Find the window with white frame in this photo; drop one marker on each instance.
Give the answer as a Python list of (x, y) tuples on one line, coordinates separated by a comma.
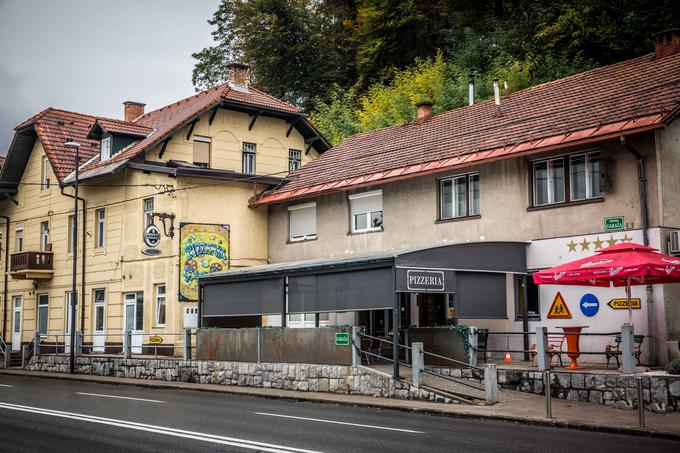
[(249, 158), (307, 320), (44, 235), (45, 174), (160, 305), (302, 222), (43, 315), (71, 233), (148, 212), (99, 309), (294, 159), (100, 231), (19, 244), (459, 196), (366, 211), (576, 177), (105, 151)]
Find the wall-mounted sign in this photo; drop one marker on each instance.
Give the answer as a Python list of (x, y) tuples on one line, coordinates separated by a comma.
[(203, 249), (151, 252), (155, 339), (152, 236), (559, 309), (589, 305), (613, 223), (341, 339), (622, 304), (424, 281)]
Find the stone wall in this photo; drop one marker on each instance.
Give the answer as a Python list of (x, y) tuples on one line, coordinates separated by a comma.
[(300, 377)]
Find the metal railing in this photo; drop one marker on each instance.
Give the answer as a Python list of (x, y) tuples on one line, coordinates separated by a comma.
[(5, 353)]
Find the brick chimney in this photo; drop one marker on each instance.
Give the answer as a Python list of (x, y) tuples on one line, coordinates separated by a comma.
[(133, 110), (424, 111), (667, 43), (239, 74)]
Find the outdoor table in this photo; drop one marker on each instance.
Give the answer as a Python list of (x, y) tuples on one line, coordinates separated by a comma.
[(573, 344)]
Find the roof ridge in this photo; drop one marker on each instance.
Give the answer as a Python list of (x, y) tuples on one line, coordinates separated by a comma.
[(165, 107)]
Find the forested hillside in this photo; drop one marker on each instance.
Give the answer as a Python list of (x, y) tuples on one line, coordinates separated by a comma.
[(361, 65)]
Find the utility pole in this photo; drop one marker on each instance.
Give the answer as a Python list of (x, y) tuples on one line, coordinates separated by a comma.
[(74, 297)]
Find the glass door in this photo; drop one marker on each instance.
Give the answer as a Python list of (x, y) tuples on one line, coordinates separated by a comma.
[(16, 323), (134, 319)]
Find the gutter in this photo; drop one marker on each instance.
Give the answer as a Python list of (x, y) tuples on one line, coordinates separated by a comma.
[(5, 283), (644, 216), (82, 277)]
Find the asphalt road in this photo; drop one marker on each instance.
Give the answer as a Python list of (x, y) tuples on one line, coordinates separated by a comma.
[(54, 415)]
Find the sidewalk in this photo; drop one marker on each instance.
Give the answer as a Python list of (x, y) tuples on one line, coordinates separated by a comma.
[(514, 406)]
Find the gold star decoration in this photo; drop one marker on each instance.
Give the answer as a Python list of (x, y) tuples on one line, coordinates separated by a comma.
[(626, 238), (611, 241), (584, 245), (572, 246), (598, 243)]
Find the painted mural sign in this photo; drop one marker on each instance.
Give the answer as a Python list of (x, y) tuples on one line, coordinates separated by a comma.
[(559, 308), (203, 249)]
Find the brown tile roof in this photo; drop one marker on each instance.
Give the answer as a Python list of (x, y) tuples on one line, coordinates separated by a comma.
[(633, 95), (123, 127)]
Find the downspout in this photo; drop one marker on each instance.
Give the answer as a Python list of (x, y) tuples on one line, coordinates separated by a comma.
[(4, 288), (82, 261), (644, 216)]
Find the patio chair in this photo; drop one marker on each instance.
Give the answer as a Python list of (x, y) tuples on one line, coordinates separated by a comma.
[(614, 350), (555, 349)]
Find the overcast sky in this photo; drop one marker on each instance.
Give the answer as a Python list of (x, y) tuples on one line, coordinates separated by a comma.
[(89, 56)]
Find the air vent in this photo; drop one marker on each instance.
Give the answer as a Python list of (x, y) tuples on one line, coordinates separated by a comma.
[(674, 243)]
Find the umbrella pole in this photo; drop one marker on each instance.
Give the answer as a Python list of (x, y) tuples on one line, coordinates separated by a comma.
[(630, 302)]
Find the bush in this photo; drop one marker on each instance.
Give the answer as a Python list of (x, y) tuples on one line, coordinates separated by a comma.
[(673, 366)]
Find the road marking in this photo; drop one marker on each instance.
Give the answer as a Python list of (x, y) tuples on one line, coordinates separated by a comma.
[(6, 385), (205, 437), (386, 428), (119, 397)]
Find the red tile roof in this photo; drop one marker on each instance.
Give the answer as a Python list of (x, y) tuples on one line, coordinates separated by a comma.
[(630, 96), (123, 127)]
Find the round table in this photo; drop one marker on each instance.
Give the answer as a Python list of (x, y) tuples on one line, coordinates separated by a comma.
[(573, 344)]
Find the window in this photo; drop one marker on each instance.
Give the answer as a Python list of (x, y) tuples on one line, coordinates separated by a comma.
[(99, 309), (532, 298), (44, 236), (366, 211), (134, 311), (45, 176), (71, 233), (308, 320), (202, 151), (249, 158), (294, 159), (148, 212), (100, 231), (302, 222), (567, 178), (43, 315), (105, 149), (19, 240), (160, 305), (459, 196)]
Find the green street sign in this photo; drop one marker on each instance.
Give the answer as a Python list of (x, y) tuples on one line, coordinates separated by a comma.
[(341, 339), (613, 223)]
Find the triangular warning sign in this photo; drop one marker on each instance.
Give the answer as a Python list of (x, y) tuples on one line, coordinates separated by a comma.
[(559, 309)]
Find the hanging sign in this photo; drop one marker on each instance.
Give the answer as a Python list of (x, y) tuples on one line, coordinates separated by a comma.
[(152, 236), (589, 305), (559, 309), (622, 304)]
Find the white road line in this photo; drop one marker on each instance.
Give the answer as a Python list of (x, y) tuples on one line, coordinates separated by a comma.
[(119, 397), (6, 385), (386, 428), (205, 437)]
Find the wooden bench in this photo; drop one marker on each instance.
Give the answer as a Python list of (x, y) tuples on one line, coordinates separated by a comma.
[(614, 350), (555, 348)]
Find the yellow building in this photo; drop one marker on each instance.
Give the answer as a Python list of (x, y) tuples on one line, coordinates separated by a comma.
[(189, 168)]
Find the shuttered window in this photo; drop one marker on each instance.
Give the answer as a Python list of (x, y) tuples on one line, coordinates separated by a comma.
[(302, 222), (202, 151), (366, 211)]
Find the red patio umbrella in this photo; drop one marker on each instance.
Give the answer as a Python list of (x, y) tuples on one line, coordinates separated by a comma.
[(624, 264)]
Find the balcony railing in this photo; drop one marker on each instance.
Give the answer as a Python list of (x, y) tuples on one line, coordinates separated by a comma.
[(31, 261)]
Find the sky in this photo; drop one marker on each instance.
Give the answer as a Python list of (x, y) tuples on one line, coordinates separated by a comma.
[(90, 56)]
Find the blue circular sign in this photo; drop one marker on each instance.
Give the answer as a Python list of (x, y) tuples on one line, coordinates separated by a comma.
[(589, 305)]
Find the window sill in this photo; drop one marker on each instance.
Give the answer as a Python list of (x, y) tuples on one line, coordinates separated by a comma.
[(299, 241), (159, 326), (565, 204), (374, 230), (458, 219)]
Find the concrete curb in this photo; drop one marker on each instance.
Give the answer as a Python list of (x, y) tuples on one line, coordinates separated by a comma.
[(330, 398)]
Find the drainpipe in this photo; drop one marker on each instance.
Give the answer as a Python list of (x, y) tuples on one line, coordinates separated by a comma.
[(4, 288), (82, 261), (644, 215)]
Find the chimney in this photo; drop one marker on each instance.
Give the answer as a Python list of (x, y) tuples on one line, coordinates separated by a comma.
[(506, 88), (239, 74), (667, 43), (133, 110), (424, 111), (497, 97), (471, 91)]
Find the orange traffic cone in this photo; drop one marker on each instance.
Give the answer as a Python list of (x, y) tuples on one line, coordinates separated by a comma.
[(508, 359)]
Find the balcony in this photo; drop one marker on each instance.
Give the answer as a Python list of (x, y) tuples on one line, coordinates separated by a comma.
[(31, 265)]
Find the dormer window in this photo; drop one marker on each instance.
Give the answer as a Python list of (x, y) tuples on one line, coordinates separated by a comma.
[(105, 152)]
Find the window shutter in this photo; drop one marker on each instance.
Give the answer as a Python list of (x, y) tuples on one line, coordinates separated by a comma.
[(302, 221), (201, 152), (369, 202)]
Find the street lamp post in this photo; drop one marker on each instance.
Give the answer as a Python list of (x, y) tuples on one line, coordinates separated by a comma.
[(74, 244)]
